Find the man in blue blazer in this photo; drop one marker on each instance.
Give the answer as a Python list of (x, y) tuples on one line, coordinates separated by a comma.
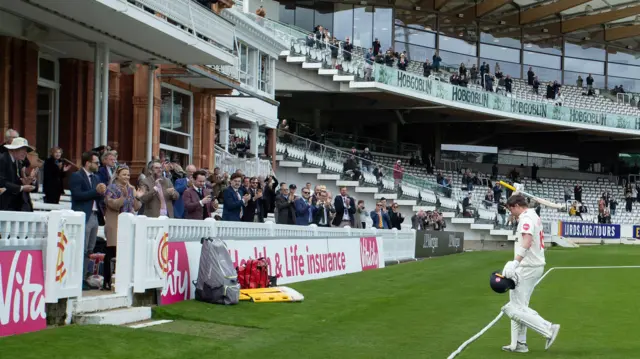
[(87, 195), (181, 185), (380, 218), (234, 202), (304, 210)]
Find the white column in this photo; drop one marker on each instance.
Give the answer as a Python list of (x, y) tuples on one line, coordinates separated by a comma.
[(224, 130), (96, 95), (254, 140), (150, 99), (105, 96)]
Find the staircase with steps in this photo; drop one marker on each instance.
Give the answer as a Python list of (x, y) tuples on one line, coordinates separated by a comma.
[(310, 162), (100, 307)]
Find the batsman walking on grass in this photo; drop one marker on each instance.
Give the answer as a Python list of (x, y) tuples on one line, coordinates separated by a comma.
[(525, 270)]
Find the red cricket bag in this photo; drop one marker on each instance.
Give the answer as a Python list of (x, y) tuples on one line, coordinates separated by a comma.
[(254, 274)]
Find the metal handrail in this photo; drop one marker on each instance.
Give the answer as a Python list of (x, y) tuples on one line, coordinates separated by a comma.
[(416, 183), (365, 141), (196, 18)]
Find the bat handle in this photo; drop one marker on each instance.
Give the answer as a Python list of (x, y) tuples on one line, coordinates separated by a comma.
[(505, 184)]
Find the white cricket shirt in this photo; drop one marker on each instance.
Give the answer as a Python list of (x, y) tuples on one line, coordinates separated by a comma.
[(529, 222)]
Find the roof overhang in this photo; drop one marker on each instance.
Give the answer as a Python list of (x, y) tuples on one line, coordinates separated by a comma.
[(200, 77)]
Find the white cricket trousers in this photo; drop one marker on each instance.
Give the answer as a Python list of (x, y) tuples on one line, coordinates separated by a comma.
[(518, 307)]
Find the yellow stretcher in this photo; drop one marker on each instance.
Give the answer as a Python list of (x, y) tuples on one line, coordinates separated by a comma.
[(271, 295)]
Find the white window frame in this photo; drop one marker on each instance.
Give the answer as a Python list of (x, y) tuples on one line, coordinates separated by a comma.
[(189, 150), (243, 52), (54, 125)]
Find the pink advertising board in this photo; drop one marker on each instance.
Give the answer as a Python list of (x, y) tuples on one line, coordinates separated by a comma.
[(22, 305), (291, 260)]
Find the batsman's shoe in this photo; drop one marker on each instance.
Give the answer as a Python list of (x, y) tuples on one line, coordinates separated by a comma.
[(520, 348), (555, 328)]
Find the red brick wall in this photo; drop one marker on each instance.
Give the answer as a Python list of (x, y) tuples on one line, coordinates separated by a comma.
[(76, 108), (18, 86)]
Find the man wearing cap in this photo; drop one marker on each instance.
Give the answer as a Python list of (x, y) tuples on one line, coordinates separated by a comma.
[(12, 167)]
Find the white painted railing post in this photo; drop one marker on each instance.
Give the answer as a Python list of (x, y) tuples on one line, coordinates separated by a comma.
[(51, 257), (64, 255), (272, 228), (213, 232), (125, 252), (314, 229)]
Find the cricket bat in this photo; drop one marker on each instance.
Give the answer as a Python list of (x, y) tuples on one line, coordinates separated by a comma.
[(542, 201)]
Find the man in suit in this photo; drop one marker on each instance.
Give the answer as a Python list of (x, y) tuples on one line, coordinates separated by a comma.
[(234, 202), (108, 168), (160, 194), (12, 168), (182, 184), (285, 207), (198, 200), (87, 195), (253, 212), (380, 218), (324, 209), (304, 209), (345, 209), (418, 221)]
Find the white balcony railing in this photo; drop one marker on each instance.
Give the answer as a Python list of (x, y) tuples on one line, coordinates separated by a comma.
[(194, 19)]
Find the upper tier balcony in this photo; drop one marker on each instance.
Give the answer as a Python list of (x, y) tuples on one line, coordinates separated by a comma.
[(158, 31)]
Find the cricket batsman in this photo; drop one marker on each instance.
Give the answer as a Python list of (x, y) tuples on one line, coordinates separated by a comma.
[(525, 270)]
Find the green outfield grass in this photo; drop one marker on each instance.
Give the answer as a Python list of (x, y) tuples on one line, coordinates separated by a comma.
[(422, 309)]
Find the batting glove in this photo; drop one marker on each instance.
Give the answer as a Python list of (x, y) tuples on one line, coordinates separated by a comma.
[(509, 270)]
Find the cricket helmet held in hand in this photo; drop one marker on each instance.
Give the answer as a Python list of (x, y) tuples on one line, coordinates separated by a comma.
[(500, 284)]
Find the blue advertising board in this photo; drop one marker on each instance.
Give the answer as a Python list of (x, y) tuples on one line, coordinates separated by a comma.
[(588, 230), (636, 232)]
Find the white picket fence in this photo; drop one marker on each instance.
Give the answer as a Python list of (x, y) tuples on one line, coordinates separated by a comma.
[(60, 236), (140, 239)]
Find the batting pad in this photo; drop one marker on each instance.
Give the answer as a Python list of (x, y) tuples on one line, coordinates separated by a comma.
[(529, 318)]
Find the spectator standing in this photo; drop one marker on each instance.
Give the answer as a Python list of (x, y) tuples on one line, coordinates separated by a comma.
[(181, 186), (345, 209), (199, 202), (87, 196), (234, 202), (376, 47), (304, 210), (361, 215), (426, 68), (285, 212), (590, 82), (508, 83), (577, 192), (418, 221), (324, 210), (13, 176), (159, 193), (436, 62), (347, 48), (8, 138), (261, 12), (398, 173), (396, 217), (53, 175), (108, 167), (120, 197), (254, 210), (379, 218), (367, 160)]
